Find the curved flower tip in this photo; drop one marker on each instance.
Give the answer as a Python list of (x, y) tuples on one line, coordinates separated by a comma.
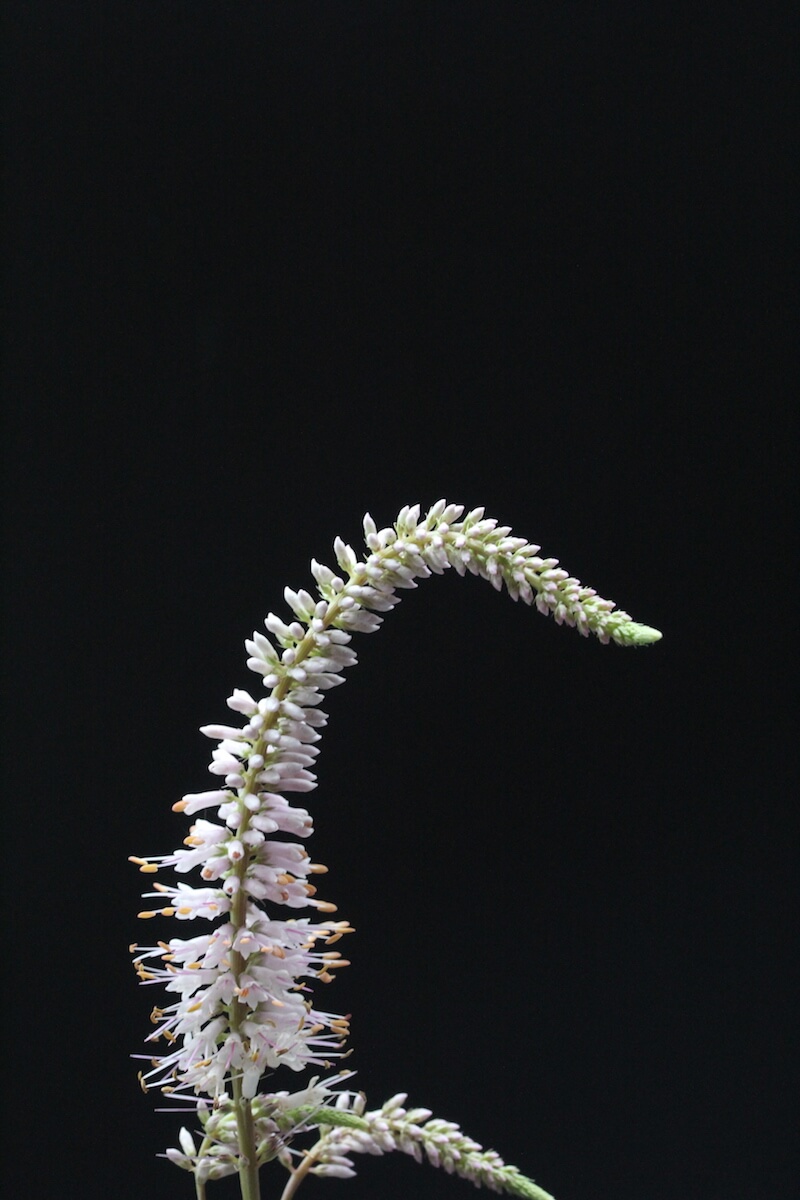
[(632, 634)]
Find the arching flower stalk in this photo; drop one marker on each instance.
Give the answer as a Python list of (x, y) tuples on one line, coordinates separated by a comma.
[(244, 1004)]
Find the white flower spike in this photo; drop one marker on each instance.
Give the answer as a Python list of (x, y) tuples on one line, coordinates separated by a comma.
[(243, 1003)]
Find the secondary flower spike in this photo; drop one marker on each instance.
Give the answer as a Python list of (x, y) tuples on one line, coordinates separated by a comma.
[(241, 991)]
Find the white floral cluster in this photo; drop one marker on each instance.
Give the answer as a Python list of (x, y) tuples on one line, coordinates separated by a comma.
[(277, 1120), (418, 1133), (243, 1002)]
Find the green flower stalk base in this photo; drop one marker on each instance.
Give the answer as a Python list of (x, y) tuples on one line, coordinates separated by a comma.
[(241, 991)]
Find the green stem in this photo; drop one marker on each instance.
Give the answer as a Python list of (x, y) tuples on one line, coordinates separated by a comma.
[(248, 1166), (299, 1173)]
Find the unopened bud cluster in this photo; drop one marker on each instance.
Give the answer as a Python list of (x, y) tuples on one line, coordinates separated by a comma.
[(418, 1133)]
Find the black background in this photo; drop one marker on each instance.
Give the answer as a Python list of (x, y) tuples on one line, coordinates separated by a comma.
[(275, 264)]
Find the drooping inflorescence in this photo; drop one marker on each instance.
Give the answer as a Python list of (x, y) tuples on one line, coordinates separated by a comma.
[(347, 1129), (243, 1003)]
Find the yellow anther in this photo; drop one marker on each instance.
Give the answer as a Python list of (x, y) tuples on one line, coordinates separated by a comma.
[(147, 868), (337, 928)]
